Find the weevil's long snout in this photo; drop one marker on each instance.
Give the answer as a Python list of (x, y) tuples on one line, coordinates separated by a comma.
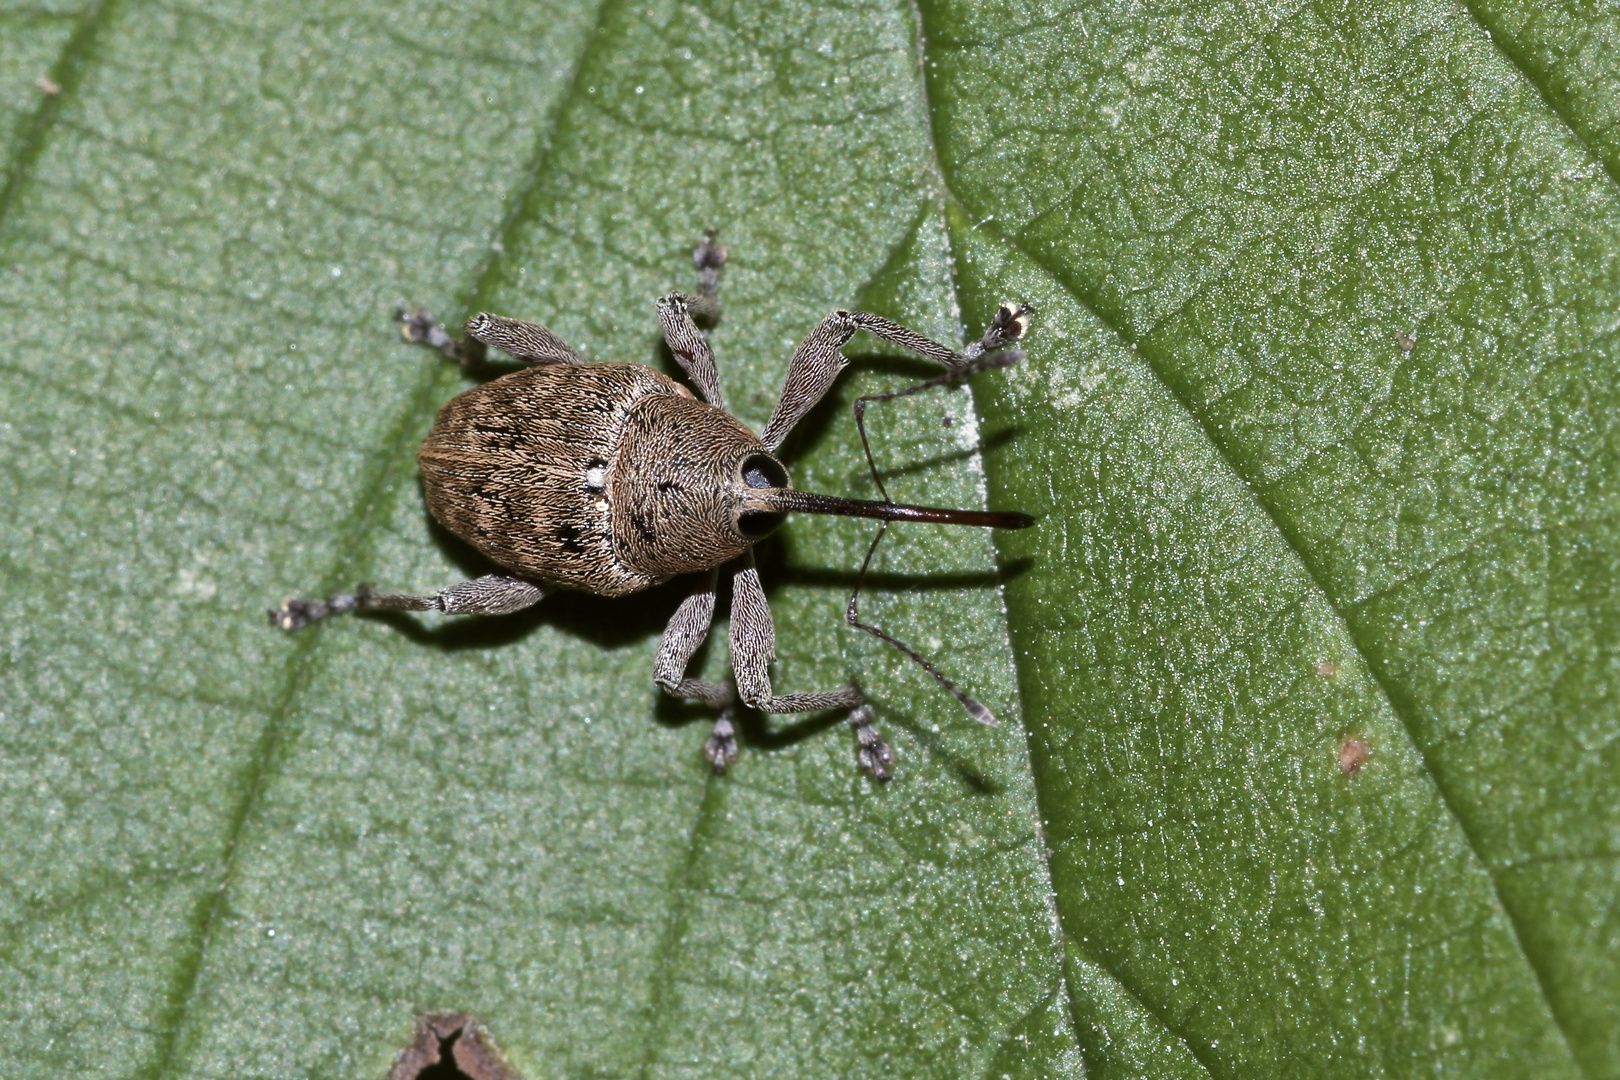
[(786, 500)]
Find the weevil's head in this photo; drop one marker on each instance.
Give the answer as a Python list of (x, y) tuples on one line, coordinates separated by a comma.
[(681, 484)]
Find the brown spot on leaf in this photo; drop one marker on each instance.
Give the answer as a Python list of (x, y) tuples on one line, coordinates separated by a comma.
[(1353, 754), (450, 1046)]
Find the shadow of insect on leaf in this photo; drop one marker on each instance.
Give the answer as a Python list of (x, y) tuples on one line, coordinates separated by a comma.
[(939, 751), (450, 1046)]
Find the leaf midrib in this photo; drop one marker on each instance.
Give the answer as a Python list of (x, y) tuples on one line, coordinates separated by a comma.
[(1061, 937), (1155, 367)]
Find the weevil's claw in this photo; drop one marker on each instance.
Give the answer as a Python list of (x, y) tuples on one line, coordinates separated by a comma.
[(721, 749), (874, 755)]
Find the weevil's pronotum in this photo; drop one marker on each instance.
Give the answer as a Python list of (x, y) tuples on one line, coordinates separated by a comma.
[(610, 478)]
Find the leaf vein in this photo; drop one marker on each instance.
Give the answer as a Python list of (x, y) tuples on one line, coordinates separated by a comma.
[(1513, 57), (1399, 708), (66, 73)]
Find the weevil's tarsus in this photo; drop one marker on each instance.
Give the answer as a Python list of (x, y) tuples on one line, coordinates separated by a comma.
[(974, 707), (1009, 324), (492, 594), (708, 257), (526, 341), (871, 752), (721, 748), (420, 328)]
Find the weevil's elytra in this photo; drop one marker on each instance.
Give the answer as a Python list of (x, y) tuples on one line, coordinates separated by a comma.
[(610, 478), (597, 477)]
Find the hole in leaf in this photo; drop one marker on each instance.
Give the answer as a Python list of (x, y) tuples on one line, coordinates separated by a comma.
[(450, 1046)]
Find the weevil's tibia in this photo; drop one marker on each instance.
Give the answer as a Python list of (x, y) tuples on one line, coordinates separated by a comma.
[(492, 594)]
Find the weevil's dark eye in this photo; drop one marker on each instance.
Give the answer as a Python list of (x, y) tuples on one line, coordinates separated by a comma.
[(760, 471), (763, 471), (755, 525)]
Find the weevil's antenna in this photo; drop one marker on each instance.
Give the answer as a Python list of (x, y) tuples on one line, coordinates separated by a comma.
[(984, 363), (767, 501), (975, 708)]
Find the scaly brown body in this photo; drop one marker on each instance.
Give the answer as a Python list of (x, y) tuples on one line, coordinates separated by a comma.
[(609, 478)]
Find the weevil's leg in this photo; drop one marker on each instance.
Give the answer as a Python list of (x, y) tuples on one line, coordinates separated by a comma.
[(493, 594), (690, 347), (819, 358), (753, 647), (686, 630), (421, 328), (816, 364), (526, 341)]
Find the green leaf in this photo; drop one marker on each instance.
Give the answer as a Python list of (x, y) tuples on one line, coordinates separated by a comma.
[(1268, 529)]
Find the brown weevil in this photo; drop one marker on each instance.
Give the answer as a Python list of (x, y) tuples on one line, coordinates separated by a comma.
[(610, 478)]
